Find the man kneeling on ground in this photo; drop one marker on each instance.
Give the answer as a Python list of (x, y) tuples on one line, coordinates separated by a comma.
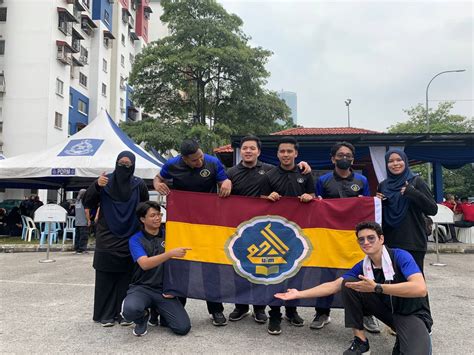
[(146, 290), (386, 283)]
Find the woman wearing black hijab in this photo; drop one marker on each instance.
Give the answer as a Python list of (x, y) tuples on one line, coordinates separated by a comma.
[(118, 194), (405, 200)]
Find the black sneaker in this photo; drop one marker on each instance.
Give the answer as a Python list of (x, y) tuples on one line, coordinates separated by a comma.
[(358, 347), (218, 319), (274, 326), (153, 321), (141, 325), (107, 322), (260, 317), (125, 323), (238, 314), (295, 319)]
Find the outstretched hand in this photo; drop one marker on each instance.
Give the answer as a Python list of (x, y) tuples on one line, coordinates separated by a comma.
[(290, 294), (103, 180), (365, 285)]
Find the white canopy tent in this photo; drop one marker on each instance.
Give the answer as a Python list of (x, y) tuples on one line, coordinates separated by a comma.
[(78, 160)]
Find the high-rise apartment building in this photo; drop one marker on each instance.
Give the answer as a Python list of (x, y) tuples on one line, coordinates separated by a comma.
[(291, 100), (61, 62)]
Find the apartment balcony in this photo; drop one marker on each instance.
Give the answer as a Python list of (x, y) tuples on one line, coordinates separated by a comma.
[(64, 54), (87, 24)]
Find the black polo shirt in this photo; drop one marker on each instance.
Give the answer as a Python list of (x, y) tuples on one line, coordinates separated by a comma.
[(332, 185), (246, 181), (287, 182), (144, 244), (203, 179)]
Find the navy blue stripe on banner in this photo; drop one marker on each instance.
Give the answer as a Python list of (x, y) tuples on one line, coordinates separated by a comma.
[(220, 283)]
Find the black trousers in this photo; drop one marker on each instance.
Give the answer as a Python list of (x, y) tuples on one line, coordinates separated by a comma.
[(245, 308), (275, 312), (412, 334), (212, 307), (110, 290), (171, 310), (82, 237)]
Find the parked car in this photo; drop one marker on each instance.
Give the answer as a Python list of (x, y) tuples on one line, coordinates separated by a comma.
[(8, 204)]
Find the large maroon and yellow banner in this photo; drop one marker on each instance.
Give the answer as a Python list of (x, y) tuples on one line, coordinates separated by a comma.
[(245, 249)]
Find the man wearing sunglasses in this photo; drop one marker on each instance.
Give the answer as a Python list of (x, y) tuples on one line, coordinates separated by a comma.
[(386, 283), (343, 182)]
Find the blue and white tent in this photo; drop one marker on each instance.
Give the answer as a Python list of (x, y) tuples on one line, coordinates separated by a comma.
[(78, 160)]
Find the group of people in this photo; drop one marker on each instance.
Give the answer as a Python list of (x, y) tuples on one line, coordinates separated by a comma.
[(388, 284)]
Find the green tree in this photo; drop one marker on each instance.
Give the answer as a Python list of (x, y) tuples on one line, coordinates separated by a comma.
[(456, 181), (440, 121), (204, 73)]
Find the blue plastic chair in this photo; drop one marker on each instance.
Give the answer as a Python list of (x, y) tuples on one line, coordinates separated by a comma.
[(54, 232)]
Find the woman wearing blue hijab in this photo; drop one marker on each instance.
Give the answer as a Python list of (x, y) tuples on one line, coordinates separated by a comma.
[(118, 194), (406, 199)]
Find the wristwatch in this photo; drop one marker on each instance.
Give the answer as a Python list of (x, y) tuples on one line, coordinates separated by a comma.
[(378, 289)]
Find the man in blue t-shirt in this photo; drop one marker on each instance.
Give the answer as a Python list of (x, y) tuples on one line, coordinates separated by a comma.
[(386, 283), (146, 289), (195, 171)]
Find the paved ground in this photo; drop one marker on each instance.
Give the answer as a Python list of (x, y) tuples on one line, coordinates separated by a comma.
[(47, 308)]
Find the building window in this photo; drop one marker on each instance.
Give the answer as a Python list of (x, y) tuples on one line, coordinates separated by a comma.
[(2, 47), (104, 89), (132, 58), (106, 17), (3, 14), (122, 61), (104, 65), (84, 55), (106, 42), (59, 87), (70, 101), (82, 79), (82, 107), (123, 39), (58, 120), (122, 106)]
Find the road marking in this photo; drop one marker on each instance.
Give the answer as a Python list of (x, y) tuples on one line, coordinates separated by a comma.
[(45, 283)]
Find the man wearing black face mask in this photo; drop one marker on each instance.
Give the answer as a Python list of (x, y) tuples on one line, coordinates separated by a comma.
[(341, 183)]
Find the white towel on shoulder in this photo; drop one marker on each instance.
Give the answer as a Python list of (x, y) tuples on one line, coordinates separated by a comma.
[(387, 266)]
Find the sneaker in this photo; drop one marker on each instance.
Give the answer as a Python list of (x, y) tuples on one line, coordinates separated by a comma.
[(125, 323), (358, 347), (371, 324), (238, 314), (218, 319), (78, 252), (141, 325), (107, 323), (153, 321), (295, 320), (274, 326), (260, 317), (319, 321)]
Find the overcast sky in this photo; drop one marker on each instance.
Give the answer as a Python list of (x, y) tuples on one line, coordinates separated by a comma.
[(381, 54)]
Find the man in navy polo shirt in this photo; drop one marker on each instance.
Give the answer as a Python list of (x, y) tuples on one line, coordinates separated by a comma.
[(386, 283), (341, 183), (195, 171)]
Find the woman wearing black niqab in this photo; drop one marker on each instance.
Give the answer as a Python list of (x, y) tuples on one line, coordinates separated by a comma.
[(118, 194)]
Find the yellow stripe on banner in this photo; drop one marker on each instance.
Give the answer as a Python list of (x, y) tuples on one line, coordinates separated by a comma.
[(331, 248)]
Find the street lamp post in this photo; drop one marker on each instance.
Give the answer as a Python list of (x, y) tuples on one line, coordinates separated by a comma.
[(428, 117), (348, 102)]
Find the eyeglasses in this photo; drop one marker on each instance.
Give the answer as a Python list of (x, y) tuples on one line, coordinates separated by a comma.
[(125, 165), (342, 156), (370, 238)]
